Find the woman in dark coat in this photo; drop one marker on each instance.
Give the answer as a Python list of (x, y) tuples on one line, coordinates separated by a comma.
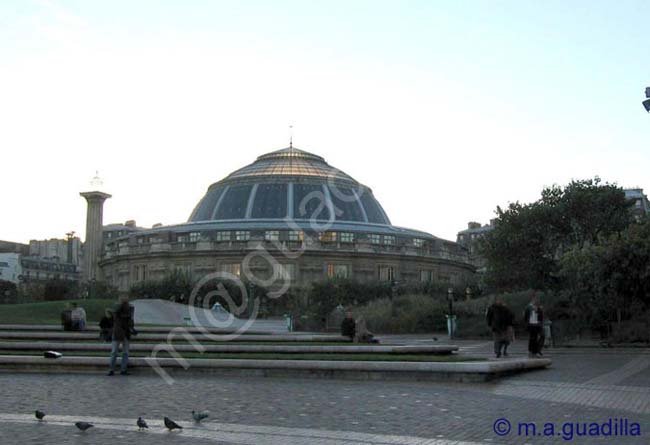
[(106, 326), (122, 329)]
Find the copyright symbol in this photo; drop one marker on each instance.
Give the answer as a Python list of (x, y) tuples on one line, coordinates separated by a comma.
[(501, 427)]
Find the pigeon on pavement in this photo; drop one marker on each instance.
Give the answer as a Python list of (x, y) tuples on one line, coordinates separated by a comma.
[(171, 425), (39, 414), (198, 416), (83, 426), (142, 424)]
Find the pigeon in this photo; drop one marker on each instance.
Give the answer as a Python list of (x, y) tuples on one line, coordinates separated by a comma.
[(171, 425), (142, 424), (39, 414), (83, 426), (52, 354), (198, 416)]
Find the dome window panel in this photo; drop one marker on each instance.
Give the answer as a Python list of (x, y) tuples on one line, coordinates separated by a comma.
[(234, 203), (205, 209), (373, 238), (373, 209), (309, 202), (270, 201), (346, 204), (272, 235)]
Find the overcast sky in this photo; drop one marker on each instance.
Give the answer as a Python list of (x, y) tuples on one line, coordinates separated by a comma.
[(445, 109)]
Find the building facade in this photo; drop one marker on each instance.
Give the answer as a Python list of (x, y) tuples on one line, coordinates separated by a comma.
[(289, 214)]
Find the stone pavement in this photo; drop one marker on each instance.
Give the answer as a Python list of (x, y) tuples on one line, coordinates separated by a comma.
[(582, 386)]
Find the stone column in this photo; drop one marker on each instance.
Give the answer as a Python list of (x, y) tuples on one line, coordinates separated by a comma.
[(94, 242)]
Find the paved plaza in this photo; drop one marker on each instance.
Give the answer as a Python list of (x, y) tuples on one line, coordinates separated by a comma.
[(583, 386)]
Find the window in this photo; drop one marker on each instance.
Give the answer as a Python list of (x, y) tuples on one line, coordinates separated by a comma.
[(286, 272), (272, 235), (426, 275), (140, 272), (386, 273), (418, 242), (338, 270), (194, 237), (328, 237), (223, 236), (294, 235), (346, 237), (374, 238), (182, 238), (185, 269), (389, 240), (638, 203), (140, 240), (233, 268), (242, 235)]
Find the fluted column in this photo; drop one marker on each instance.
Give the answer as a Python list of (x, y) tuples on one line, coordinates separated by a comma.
[(94, 242)]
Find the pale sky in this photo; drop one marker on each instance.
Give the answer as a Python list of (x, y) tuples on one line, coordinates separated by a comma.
[(445, 109)]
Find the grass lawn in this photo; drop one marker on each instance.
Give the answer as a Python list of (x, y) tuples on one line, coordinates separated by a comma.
[(282, 356), (49, 312)]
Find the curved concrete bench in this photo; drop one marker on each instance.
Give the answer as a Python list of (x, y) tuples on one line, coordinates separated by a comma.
[(30, 335), (437, 371), (290, 349), (92, 327)]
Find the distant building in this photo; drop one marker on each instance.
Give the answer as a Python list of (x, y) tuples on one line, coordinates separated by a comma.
[(19, 268), (63, 250), (10, 267), (12, 247), (641, 206), (113, 231), (469, 239)]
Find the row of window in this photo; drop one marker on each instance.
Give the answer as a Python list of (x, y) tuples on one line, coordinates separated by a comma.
[(289, 271), (280, 235)]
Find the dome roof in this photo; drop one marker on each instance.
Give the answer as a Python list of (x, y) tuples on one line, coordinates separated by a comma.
[(289, 183)]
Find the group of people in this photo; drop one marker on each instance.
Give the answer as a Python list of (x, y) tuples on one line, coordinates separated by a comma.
[(116, 327), (501, 321)]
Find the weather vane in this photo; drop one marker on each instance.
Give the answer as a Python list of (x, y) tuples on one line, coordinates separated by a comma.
[(291, 136)]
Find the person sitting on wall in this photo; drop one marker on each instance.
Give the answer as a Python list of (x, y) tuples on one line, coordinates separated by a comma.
[(348, 326), (106, 326), (78, 317), (363, 335), (66, 319)]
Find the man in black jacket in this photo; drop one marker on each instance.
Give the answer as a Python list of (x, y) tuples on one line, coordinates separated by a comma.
[(499, 318), (123, 316)]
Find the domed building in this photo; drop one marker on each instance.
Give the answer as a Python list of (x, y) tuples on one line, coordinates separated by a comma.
[(291, 210)]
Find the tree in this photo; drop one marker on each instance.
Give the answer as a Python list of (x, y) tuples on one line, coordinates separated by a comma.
[(524, 249), (611, 280)]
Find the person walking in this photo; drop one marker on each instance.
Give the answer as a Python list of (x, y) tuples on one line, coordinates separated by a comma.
[(122, 329), (500, 319), (534, 319)]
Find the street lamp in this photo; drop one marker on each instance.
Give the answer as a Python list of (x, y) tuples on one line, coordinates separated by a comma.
[(646, 103)]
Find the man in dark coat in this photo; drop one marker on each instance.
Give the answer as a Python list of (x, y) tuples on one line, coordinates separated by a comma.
[(122, 329), (349, 326), (499, 318), (534, 319)]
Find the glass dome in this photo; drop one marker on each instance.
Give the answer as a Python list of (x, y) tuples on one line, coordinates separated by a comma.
[(289, 183)]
